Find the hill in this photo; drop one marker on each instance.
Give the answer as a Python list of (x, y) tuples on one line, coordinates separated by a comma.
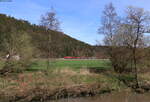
[(61, 44)]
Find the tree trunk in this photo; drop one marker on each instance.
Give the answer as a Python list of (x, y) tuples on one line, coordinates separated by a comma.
[(135, 68)]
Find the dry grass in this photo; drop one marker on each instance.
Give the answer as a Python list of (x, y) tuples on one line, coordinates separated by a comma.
[(23, 83), (85, 72)]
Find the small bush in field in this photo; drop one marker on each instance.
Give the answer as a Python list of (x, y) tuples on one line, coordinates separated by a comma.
[(12, 66)]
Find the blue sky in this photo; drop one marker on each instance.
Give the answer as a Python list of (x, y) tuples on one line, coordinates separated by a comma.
[(80, 18)]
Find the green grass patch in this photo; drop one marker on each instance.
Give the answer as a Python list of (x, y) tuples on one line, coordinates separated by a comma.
[(75, 64)]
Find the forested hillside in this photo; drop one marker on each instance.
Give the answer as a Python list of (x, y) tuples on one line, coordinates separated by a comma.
[(36, 36)]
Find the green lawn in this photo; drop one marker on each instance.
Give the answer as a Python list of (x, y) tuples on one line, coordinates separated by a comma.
[(76, 64)]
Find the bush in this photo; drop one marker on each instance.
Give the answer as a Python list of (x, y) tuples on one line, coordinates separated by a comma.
[(18, 43), (11, 66)]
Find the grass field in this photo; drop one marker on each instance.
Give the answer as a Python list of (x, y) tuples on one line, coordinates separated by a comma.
[(75, 64)]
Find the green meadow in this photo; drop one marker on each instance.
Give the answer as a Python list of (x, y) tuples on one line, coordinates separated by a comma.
[(75, 64)]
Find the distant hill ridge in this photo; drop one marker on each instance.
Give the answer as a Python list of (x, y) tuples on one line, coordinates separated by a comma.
[(61, 44)]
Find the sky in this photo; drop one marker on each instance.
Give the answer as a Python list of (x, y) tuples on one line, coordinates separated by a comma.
[(79, 19)]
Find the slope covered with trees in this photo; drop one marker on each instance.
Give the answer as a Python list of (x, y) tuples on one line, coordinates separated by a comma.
[(61, 44)]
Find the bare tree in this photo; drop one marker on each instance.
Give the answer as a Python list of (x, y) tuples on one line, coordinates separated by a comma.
[(50, 22), (125, 39), (138, 21), (130, 35), (109, 23), (109, 26)]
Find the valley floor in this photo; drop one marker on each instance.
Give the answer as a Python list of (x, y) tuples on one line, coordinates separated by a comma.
[(64, 78)]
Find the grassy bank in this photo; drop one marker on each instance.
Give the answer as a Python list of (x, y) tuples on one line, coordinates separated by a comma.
[(72, 74), (63, 79), (29, 86)]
